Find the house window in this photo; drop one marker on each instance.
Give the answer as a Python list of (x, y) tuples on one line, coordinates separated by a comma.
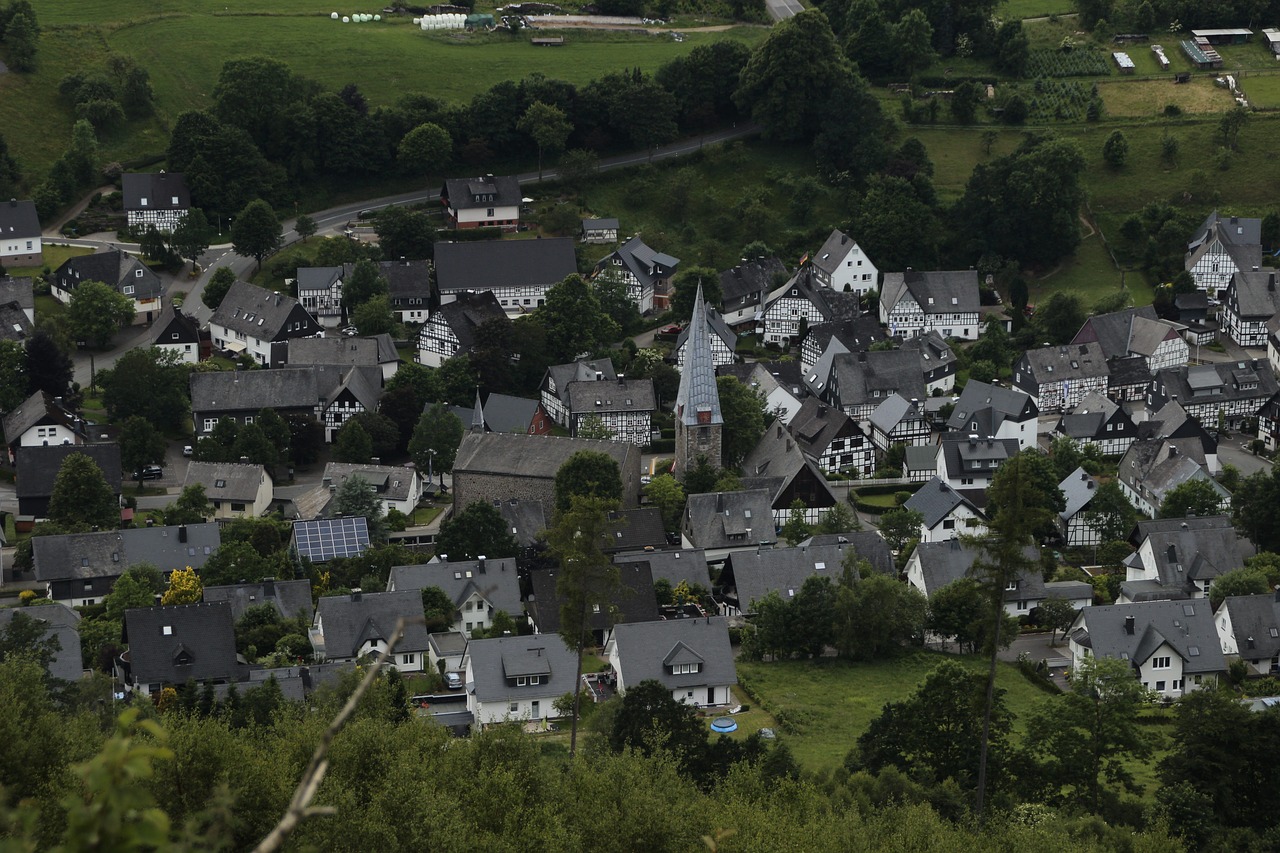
[(489, 213), (1160, 686), (467, 607), (237, 507), (595, 608), (1160, 663), (513, 707), (137, 273), (167, 630), (949, 524), (535, 679), (1011, 585), (408, 658), (210, 423), (143, 201), (521, 681), (1022, 605), (128, 290)]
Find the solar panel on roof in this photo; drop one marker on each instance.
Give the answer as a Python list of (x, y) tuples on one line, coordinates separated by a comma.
[(324, 539)]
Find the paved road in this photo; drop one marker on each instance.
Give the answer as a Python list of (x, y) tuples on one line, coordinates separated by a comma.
[(780, 10)]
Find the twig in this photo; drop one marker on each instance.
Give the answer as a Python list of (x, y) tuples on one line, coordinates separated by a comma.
[(300, 807)]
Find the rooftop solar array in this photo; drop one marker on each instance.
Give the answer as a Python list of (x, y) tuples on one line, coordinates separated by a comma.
[(323, 539)]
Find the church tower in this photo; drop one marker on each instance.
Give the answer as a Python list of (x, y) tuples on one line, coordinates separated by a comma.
[(699, 422)]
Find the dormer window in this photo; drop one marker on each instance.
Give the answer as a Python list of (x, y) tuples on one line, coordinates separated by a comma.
[(137, 273), (686, 668)]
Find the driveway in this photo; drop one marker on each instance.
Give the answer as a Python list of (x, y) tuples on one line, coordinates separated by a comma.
[(1037, 648)]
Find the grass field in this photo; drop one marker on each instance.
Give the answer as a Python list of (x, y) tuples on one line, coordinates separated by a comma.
[(55, 255), (833, 701), (1263, 91), (1148, 98), (1018, 9)]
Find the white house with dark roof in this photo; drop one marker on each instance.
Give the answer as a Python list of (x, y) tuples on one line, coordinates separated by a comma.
[(1099, 421), (118, 270), (780, 382), (722, 522), (373, 351), (777, 464), (860, 382), (240, 395), (42, 421), (1136, 333), (690, 657), (938, 362), (1252, 299), (832, 439), (349, 627), (1151, 468), (1180, 558), (487, 201), (517, 272), (990, 411), (478, 588), (235, 489), (745, 288), (20, 235), (1221, 247), (397, 487), (970, 462), (852, 335), (1079, 490), (899, 421), (452, 329), (646, 272), (517, 678), (155, 198), (842, 265), (1227, 392), (319, 291), (408, 288), (1173, 646), (947, 302), (169, 646), (603, 230), (554, 390), (1249, 630), (801, 303), (177, 333), (250, 318), (724, 341), (1058, 377), (625, 407), (946, 512)]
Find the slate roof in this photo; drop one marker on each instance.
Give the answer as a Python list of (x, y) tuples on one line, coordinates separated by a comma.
[(319, 278), (110, 553), (61, 622), (710, 519), (527, 455), (952, 291), (1199, 551), (1112, 332), (170, 320), (393, 482), (856, 335), (894, 411), (460, 191), (600, 224), (681, 564), (647, 650), (749, 282), (1085, 422), (1219, 382), (831, 304), (578, 371), (493, 578), (1255, 625), (990, 405), (363, 381), (18, 219), (18, 289), (833, 251), (698, 400), (227, 481), (921, 457), (349, 621), (1254, 294), (869, 545), (38, 466), (252, 390), (504, 263), (1241, 238), (406, 279), (524, 519), (816, 425), (753, 574), (495, 661), (1154, 467), (1187, 626), (959, 453), (633, 599), (622, 395), (174, 644), (160, 189), (943, 563), (343, 351), (777, 459), (502, 413), (1066, 363), (39, 408), (113, 268), (254, 311), (1078, 488), (467, 313), (634, 530), (715, 326), (290, 598), (858, 376), (935, 500), (447, 643), (646, 264)]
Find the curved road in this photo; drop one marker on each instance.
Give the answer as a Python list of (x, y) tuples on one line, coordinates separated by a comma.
[(336, 217)]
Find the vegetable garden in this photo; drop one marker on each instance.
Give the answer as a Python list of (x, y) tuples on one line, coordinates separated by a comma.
[(1077, 62)]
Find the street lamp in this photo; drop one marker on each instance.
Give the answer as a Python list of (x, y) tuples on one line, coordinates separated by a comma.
[(431, 458)]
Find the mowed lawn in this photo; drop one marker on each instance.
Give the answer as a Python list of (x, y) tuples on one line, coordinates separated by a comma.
[(831, 702)]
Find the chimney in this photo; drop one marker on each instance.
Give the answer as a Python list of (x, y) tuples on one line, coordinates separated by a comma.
[(480, 564), (182, 533), (844, 238), (1249, 641), (1128, 625), (328, 481), (268, 587), (356, 594), (375, 460)]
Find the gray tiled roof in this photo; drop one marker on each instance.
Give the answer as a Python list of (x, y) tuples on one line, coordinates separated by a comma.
[(174, 644), (753, 574), (524, 519), (993, 403), (252, 390), (113, 268), (1254, 294), (935, 500), (495, 661), (18, 289), (894, 411), (857, 334), (171, 320), (494, 579), (952, 291), (646, 264), (502, 413), (349, 621), (1086, 420), (869, 545), (715, 326), (340, 350), (622, 395), (407, 279), (38, 466), (393, 482), (1113, 331), (527, 455), (504, 263), (959, 452), (645, 651), (319, 278), (711, 519), (681, 564), (290, 598), (778, 457), (461, 191), (110, 553), (467, 313), (833, 305), (1071, 362), (633, 598), (600, 224), (578, 371), (228, 481), (1187, 626), (255, 311), (833, 251), (943, 563), (859, 376), (816, 424), (634, 529), (39, 408), (1255, 625), (1235, 230), (1196, 553), (14, 324), (749, 282), (1078, 488), (158, 188), (1153, 467), (698, 393), (61, 622), (18, 219)]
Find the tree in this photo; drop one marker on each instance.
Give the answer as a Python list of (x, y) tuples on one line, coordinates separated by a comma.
[(81, 495), (184, 587), (1056, 614), (1059, 318), (26, 637), (1110, 513), (796, 529), (97, 311), (666, 493), (1198, 497), (374, 317), (306, 437), (364, 283), (587, 579), (438, 609), (149, 383), (353, 444), (1115, 150), (256, 231), (21, 38), (435, 440), (216, 290), (573, 320), (1242, 581), (427, 148), (356, 498), (9, 173), (192, 237), (650, 719), (140, 444), (745, 412), (276, 431), (1092, 733), (191, 507), (900, 526), (404, 233), (838, 519), (252, 444), (305, 227), (45, 366), (137, 587), (587, 474), (14, 382), (1230, 125), (687, 282), (913, 42), (479, 530), (874, 614), (547, 126)]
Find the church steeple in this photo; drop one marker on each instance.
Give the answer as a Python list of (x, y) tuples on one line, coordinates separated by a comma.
[(477, 415), (698, 418)]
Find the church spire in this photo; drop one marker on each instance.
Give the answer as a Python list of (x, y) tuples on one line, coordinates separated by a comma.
[(477, 415), (698, 417)]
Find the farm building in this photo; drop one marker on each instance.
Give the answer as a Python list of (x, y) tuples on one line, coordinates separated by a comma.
[(1161, 59), (1123, 61), (1272, 35), (1227, 36), (1202, 56)]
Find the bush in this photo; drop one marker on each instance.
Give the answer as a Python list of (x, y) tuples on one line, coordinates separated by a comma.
[(26, 597)]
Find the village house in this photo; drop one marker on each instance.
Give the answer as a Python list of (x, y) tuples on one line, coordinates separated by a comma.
[(1251, 300), (1154, 467), (479, 588), (235, 489), (517, 272), (832, 440), (639, 529), (899, 421), (554, 389), (1181, 558), (500, 466), (1136, 332), (291, 599), (118, 270), (946, 512), (779, 382), (841, 265), (749, 575), (19, 292), (801, 303), (646, 273), (938, 362), (990, 411), (1079, 490), (690, 657), (250, 318), (723, 522), (323, 539), (1099, 421), (1172, 646), (398, 487), (630, 599), (452, 328), (20, 235), (350, 627), (177, 333), (319, 292), (599, 231), (517, 678), (1249, 630), (375, 351), (1058, 377), (970, 462), (483, 202), (1269, 423), (947, 302), (854, 335), (1221, 247), (42, 421), (745, 288), (38, 467), (504, 413), (673, 565), (59, 623), (860, 382), (1219, 395), (408, 288), (935, 565), (723, 341), (778, 465), (625, 408), (170, 646), (155, 198)]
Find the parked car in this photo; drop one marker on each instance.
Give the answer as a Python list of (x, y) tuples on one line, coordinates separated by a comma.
[(187, 450), (151, 472), (453, 680)]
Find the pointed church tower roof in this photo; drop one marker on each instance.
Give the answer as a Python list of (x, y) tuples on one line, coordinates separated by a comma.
[(698, 401), (477, 415)]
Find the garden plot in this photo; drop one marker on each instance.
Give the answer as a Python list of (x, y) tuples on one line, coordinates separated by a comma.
[(1150, 97)]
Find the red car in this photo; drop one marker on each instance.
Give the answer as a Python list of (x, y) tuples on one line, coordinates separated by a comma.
[(672, 330)]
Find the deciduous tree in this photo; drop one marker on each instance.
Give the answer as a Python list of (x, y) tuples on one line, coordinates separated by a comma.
[(364, 283), (1198, 497), (216, 289), (745, 413), (355, 497), (425, 149), (192, 237), (14, 381), (184, 587), (435, 440), (97, 311), (547, 126), (353, 444), (587, 474), (256, 231), (81, 495), (140, 444), (478, 530)]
